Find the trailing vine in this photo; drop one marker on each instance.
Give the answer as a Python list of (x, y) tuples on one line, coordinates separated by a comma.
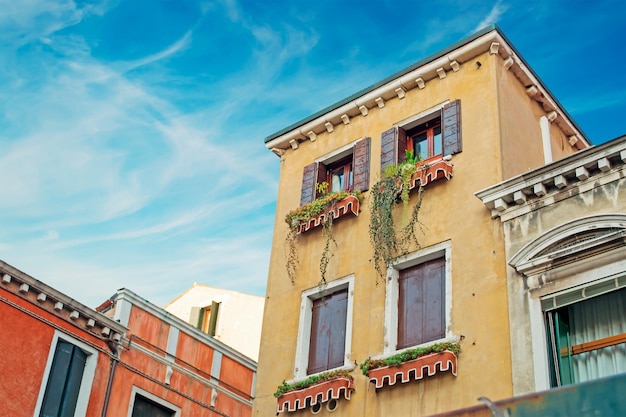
[(389, 243), (302, 214), (408, 355), (312, 380)]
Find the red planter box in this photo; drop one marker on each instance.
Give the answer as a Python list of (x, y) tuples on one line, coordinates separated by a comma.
[(430, 170), (322, 392), (419, 368), (350, 204)]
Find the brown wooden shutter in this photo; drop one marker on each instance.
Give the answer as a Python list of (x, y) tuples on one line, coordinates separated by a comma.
[(451, 128), (393, 147), (421, 303), (361, 165), (328, 332), (308, 184)]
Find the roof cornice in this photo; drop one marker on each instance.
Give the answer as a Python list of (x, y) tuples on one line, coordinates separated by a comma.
[(60, 305), (574, 174), (433, 67)]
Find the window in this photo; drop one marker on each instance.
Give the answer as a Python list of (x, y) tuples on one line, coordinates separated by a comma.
[(328, 332), (346, 169), (325, 328), (145, 404), (574, 311), (418, 301), (430, 133), (425, 140), (67, 378), (143, 407), (205, 318), (64, 381), (586, 339)]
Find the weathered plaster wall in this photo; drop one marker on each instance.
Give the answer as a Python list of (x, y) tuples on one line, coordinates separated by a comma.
[(519, 231), (449, 212)]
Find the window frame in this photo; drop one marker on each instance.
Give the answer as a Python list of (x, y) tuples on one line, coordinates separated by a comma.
[(143, 393), (86, 382), (358, 153), (440, 250), (531, 262), (305, 320)]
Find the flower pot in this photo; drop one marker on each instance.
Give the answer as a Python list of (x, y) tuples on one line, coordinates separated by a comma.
[(413, 370), (350, 204), (321, 392), (430, 170)]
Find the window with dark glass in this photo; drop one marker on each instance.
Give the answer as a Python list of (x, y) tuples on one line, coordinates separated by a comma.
[(437, 134), (586, 335), (63, 386), (143, 407), (347, 171), (339, 175), (425, 139), (421, 303), (328, 332)]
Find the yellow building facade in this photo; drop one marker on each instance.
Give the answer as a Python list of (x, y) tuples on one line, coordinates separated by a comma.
[(476, 114)]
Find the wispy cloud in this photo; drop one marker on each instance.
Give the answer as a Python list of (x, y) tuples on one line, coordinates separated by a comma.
[(494, 15)]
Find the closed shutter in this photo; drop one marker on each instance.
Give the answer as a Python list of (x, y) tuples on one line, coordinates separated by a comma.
[(361, 165), (393, 147), (64, 381), (451, 128), (421, 303), (328, 332)]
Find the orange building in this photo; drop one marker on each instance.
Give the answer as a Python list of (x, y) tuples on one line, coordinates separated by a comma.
[(61, 358)]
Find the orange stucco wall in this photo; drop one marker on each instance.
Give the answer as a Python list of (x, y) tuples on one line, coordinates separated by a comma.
[(25, 345)]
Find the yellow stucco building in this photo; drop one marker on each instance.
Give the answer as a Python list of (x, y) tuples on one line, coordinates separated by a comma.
[(472, 115)]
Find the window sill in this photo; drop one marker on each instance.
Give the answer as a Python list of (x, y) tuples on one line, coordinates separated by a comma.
[(349, 204), (414, 370), (320, 392), (431, 169)]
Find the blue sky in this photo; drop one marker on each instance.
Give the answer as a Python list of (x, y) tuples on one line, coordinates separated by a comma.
[(132, 132)]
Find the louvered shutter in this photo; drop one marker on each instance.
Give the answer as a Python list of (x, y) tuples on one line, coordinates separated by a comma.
[(393, 143), (451, 128), (361, 165), (421, 304), (328, 332), (308, 184), (72, 385)]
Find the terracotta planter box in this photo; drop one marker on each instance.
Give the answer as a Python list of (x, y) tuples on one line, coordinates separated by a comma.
[(413, 370), (430, 170), (322, 392), (350, 204)]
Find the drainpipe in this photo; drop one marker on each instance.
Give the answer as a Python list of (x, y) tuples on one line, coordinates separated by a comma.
[(114, 360)]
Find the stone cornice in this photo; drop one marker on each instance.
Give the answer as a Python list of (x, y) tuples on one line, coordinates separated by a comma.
[(59, 304), (416, 76), (573, 175)]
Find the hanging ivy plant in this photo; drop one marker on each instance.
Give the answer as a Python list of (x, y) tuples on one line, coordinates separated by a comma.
[(302, 214), (387, 241)]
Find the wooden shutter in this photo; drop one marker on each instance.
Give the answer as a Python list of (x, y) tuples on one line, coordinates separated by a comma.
[(72, 385), (328, 332), (393, 147), (196, 316), (421, 303), (215, 306), (361, 165), (64, 381), (451, 128), (313, 174)]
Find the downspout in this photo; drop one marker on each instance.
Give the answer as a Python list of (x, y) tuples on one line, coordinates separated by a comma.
[(114, 360)]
